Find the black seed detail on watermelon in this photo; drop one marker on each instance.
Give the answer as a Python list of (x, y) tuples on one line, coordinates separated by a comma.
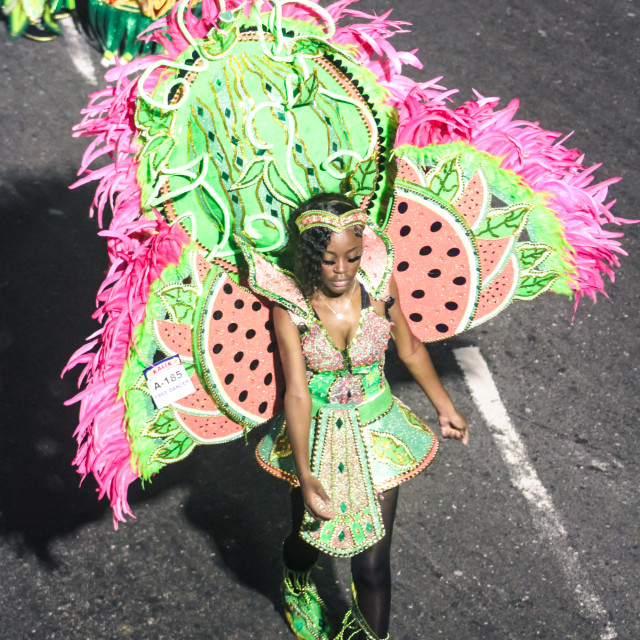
[(254, 365), (256, 306), (263, 407), (238, 304), (415, 317), (268, 325), (402, 207), (460, 280), (452, 253), (418, 293), (452, 306), (442, 328), (405, 231), (217, 348), (403, 266), (227, 288), (434, 273), (232, 327), (251, 334), (268, 379), (436, 226), (243, 396), (228, 379), (217, 314), (238, 356), (425, 251), (272, 347)]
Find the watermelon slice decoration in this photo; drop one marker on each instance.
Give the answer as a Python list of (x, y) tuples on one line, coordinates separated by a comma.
[(436, 265), (458, 261), (493, 254), (409, 171), (213, 428), (499, 293), (236, 351), (197, 414), (193, 308)]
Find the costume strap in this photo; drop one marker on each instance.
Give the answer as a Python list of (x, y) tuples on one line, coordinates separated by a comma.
[(319, 218)]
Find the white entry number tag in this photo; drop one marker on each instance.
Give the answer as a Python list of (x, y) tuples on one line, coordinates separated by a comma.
[(168, 381)]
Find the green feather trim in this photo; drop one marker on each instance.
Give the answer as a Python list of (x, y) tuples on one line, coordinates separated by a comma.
[(141, 413)]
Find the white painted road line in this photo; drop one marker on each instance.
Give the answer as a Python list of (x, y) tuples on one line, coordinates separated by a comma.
[(78, 51), (524, 477)]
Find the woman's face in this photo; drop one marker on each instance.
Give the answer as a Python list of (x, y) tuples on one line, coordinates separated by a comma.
[(341, 261)]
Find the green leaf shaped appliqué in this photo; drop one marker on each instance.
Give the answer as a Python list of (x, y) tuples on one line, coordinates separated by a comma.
[(279, 187), (252, 174), (446, 179), (180, 301), (163, 426), (363, 176), (533, 284), (152, 120), (307, 91), (218, 42), (531, 255), (174, 448), (158, 149), (501, 223), (392, 451)]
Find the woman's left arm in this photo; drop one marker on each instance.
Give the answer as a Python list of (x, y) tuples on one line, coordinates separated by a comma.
[(415, 357)]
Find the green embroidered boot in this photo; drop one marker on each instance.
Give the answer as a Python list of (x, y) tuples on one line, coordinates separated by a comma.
[(354, 625), (305, 611)]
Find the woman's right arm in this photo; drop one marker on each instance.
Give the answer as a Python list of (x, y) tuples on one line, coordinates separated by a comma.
[(297, 409)]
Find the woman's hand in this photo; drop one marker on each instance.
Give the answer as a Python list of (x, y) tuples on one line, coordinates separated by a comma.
[(316, 500), (454, 425)]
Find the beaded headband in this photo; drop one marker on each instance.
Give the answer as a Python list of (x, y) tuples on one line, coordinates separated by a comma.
[(319, 218)]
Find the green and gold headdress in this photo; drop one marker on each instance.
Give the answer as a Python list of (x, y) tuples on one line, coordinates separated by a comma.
[(337, 223)]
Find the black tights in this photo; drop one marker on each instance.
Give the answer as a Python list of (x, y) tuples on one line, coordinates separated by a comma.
[(370, 569)]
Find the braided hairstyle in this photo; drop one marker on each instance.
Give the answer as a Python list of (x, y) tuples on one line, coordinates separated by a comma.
[(311, 245)]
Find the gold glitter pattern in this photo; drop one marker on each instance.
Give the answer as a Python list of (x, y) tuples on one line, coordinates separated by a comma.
[(339, 460)]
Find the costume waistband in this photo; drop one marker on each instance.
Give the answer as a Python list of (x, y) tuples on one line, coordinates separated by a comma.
[(367, 412)]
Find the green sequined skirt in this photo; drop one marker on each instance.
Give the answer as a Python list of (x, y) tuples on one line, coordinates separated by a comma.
[(357, 451)]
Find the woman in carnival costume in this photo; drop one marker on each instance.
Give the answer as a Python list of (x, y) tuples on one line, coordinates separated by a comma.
[(36, 19), (362, 443), (251, 111)]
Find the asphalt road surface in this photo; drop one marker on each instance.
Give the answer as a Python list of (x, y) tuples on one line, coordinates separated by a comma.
[(529, 532)]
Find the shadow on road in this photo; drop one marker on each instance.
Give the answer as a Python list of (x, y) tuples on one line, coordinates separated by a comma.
[(51, 263)]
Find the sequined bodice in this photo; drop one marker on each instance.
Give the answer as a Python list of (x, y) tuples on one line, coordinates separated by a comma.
[(365, 348), (350, 375)]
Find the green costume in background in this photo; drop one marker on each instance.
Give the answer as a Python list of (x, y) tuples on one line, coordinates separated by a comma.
[(36, 19)]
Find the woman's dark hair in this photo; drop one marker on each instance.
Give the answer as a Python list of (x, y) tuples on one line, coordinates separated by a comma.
[(311, 245)]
